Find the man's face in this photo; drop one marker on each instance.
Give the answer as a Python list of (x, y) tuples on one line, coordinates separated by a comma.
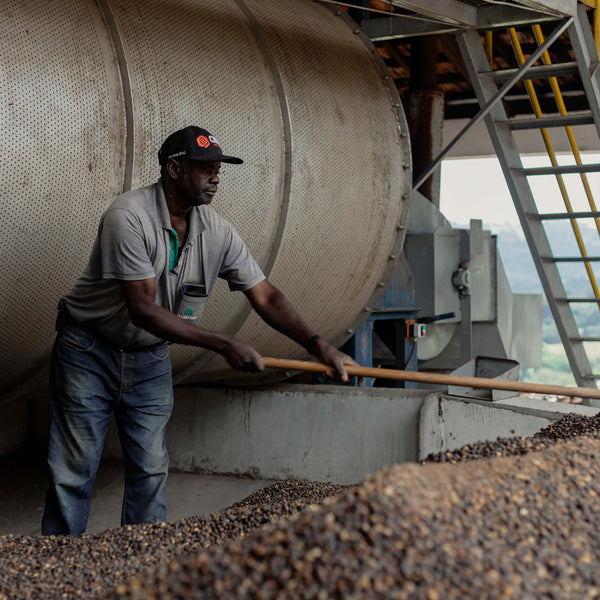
[(199, 181)]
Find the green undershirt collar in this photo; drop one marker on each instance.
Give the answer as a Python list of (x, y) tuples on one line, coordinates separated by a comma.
[(174, 255)]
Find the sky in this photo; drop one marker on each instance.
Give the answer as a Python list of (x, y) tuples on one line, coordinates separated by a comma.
[(475, 188)]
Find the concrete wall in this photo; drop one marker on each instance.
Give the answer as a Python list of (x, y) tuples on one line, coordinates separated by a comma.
[(24, 414), (333, 433), (321, 433), (14, 425)]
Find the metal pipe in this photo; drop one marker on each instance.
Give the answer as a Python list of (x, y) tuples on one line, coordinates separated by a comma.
[(459, 380)]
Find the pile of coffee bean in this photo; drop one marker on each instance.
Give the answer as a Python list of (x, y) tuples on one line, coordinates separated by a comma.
[(571, 425), (518, 527), (87, 566), (513, 446), (292, 490), (522, 525)]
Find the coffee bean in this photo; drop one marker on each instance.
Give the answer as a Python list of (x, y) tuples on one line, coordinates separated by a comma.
[(511, 518)]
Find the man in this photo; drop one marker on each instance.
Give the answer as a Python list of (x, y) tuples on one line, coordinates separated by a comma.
[(157, 255)]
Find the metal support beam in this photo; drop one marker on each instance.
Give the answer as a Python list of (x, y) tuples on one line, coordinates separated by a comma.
[(525, 205), (362, 347), (558, 121), (489, 17), (429, 17), (538, 72), (466, 319), (557, 7), (424, 105), (394, 28), (590, 214), (450, 12), (494, 100), (582, 259), (561, 170), (586, 55), (495, 16)]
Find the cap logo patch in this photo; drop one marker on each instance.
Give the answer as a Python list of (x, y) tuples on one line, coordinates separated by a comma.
[(203, 141), (213, 139)]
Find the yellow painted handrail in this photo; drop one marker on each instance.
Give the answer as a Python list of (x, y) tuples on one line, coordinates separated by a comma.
[(595, 4), (552, 154)]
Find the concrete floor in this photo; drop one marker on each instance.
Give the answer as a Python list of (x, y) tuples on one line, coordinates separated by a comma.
[(23, 485)]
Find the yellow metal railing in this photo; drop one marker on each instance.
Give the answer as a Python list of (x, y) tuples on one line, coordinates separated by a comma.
[(551, 152), (595, 4), (569, 130)]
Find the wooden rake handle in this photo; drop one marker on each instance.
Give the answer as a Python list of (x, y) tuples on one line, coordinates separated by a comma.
[(459, 380)]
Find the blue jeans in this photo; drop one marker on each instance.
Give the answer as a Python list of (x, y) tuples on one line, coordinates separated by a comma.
[(89, 382)]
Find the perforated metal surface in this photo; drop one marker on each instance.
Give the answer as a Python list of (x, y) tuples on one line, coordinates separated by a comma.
[(347, 174), (197, 62), (61, 126), (285, 84)]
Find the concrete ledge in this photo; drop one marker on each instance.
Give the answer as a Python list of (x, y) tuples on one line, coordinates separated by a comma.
[(321, 433), (449, 422)]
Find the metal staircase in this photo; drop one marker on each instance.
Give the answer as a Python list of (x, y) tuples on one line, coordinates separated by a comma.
[(490, 87)]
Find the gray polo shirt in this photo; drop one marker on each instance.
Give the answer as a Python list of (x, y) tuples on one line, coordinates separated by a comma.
[(133, 243)]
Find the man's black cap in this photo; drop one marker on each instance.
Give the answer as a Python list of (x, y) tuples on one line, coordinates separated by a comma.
[(196, 143)]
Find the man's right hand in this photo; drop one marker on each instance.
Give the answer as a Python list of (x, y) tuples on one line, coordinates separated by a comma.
[(242, 356)]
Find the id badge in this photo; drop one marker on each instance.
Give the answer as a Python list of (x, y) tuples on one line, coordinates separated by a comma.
[(192, 301)]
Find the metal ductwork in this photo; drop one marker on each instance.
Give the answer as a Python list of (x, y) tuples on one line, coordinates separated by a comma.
[(91, 88)]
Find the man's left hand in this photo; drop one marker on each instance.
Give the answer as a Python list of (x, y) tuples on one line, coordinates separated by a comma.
[(333, 358)]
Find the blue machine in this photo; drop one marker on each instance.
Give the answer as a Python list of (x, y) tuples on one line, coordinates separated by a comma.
[(394, 322)]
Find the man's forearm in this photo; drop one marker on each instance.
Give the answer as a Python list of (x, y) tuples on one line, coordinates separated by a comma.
[(274, 308), (145, 313), (278, 312), (164, 324)]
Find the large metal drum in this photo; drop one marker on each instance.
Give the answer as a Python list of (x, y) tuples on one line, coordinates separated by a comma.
[(88, 91)]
